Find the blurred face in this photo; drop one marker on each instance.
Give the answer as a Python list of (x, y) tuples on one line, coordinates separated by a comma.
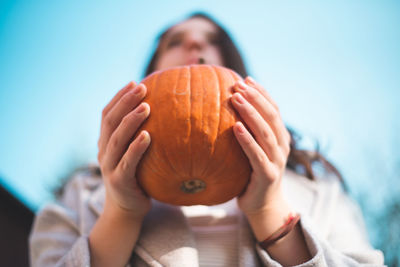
[(188, 42)]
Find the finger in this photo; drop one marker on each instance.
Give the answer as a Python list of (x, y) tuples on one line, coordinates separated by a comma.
[(258, 126), (258, 159), (132, 156), (125, 104), (267, 111), (117, 97), (109, 106), (124, 133), (252, 82)]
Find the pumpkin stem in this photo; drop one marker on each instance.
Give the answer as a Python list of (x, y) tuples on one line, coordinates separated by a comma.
[(201, 60), (193, 186)]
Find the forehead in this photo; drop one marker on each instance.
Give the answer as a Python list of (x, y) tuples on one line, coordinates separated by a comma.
[(193, 24)]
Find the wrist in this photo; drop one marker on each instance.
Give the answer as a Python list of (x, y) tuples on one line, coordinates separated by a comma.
[(114, 212), (267, 220), (114, 236)]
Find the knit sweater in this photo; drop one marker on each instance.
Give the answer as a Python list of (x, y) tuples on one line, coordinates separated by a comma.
[(215, 230), (332, 225)]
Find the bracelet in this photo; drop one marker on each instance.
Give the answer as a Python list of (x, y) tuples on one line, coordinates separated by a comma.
[(288, 226)]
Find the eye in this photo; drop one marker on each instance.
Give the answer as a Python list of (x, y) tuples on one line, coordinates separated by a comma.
[(173, 42), (213, 39)]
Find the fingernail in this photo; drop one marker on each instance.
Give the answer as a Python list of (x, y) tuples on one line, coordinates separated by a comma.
[(144, 137), (138, 89), (240, 127), (242, 85), (251, 80), (141, 108), (130, 84), (238, 98)]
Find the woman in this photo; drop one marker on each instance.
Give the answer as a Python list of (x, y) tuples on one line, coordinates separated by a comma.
[(109, 222)]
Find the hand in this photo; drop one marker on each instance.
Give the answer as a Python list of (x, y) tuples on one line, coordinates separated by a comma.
[(119, 155), (267, 148)]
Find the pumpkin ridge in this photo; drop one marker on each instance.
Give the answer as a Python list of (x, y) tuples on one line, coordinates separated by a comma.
[(155, 171), (197, 86), (219, 103), (226, 159), (203, 123), (221, 170), (183, 70), (214, 138), (202, 103), (155, 87), (190, 122), (155, 156), (159, 124)]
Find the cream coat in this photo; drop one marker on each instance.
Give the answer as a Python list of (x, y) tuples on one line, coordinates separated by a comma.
[(331, 222)]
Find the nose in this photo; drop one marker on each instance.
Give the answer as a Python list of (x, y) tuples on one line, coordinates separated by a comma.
[(194, 41)]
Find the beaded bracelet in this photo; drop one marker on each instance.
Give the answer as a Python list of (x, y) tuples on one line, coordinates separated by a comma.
[(288, 226)]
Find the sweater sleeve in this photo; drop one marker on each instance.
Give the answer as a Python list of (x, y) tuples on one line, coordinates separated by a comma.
[(55, 239), (60, 232), (346, 245)]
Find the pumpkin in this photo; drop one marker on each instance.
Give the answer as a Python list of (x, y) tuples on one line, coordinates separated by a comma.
[(194, 157)]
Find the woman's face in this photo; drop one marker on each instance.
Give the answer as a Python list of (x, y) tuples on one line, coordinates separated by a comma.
[(188, 42)]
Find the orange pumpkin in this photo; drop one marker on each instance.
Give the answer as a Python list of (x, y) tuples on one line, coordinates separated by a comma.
[(194, 157)]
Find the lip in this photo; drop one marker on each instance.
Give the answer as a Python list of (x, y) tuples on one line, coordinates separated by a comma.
[(193, 60)]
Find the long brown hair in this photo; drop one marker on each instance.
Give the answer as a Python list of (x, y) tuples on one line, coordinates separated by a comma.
[(300, 161)]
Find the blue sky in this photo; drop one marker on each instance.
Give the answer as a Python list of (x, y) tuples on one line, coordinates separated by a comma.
[(333, 67)]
